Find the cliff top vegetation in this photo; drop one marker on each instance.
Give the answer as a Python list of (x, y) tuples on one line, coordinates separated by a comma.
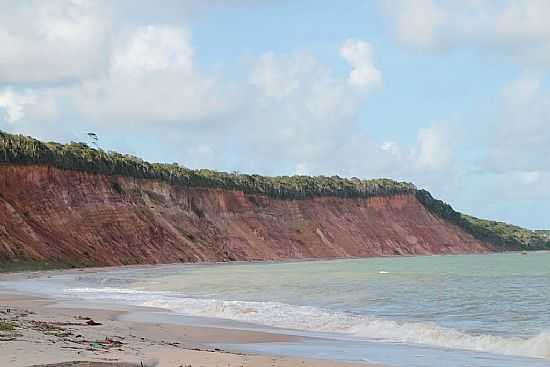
[(19, 149)]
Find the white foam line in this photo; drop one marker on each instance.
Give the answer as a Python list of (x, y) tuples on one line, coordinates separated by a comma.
[(307, 318)]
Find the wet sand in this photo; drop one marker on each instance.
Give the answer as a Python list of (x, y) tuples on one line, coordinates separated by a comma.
[(36, 332)]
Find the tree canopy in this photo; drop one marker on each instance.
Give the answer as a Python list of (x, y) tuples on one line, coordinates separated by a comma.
[(18, 149), (502, 235)]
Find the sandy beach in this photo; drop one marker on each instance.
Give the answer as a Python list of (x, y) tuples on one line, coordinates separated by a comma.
[(36, 332)]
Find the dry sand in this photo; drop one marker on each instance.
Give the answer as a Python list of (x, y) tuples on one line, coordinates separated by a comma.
[(35, 332)]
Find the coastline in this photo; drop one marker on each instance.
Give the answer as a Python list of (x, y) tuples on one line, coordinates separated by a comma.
[(41, 271), (39, 332)]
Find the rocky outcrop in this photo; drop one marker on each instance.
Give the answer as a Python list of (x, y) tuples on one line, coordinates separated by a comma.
[(88, 219)]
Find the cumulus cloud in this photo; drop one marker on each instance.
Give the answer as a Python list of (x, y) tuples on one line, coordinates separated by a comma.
[(151, 79), (359, 55), (51, 41), (299, 104), (153, 48)]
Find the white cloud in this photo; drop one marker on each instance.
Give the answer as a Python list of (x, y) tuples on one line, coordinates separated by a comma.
[(506, 25), (429, 155), (152, 80), (278, 77), (520, 21), (432, 151), (520, 137), (303, 82), (297, 103), (417, 21), (12, 104), (154, 48), (51, 41), (531, 177), (392, 148), (359, 55)]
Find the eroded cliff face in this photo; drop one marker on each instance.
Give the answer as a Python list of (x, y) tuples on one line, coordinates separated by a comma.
[(83, 218)]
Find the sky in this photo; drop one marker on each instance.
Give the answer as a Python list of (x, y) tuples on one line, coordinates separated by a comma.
[(453, 96)]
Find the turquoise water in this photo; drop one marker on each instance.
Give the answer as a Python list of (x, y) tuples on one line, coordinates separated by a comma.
[(505, 294), (497, 306)]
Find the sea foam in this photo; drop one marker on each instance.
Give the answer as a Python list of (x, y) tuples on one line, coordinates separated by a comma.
[(313, 319)]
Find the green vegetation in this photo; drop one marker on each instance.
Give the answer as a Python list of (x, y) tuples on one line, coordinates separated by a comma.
[(18, 149), (7, 325), (505, 236)]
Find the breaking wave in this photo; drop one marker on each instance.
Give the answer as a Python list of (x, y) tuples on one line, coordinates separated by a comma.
[(314, 319)]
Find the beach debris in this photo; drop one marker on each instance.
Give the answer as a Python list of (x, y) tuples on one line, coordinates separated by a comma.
[(91, 322), (60, 323), (7, 326), (7, 331), (50, 328), (112, 342), (107, 343), (96, 345)]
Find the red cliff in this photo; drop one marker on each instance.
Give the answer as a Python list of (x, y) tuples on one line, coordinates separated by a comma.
[(84, 218)]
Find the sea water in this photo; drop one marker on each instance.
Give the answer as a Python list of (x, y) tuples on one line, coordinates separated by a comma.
[(467, 310)]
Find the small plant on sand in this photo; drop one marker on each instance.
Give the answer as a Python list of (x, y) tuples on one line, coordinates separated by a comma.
[(7, 325)]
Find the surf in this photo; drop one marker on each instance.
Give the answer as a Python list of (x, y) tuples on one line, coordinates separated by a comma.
[(314, 319)]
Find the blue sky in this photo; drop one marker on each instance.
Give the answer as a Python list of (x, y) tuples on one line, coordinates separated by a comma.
[(451, 95)]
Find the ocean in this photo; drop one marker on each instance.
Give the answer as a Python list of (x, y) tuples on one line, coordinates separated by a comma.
[(465, 310)]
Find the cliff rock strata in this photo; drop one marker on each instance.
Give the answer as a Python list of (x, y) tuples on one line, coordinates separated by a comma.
[(90, 219)]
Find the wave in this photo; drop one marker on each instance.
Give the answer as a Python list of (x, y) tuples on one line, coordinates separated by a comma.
[(313, 319)]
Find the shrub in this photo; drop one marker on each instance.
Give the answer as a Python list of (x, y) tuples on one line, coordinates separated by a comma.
[(18, 149)]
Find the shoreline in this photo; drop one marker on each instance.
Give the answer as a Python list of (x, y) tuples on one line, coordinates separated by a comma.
[(29, 271), (36, 331), (206, 331)]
